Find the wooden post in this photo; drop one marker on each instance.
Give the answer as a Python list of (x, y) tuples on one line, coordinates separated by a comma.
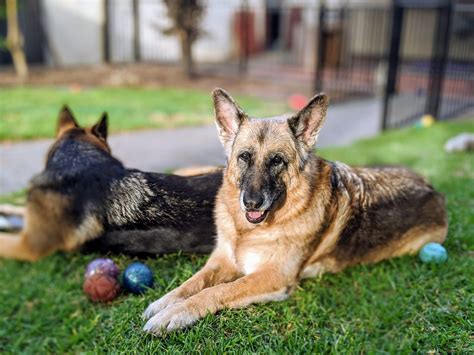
[(15, 40)]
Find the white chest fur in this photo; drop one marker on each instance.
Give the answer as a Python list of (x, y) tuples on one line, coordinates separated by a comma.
[(249, 261)]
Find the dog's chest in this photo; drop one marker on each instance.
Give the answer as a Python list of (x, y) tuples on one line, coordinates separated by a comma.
[(250, 256)]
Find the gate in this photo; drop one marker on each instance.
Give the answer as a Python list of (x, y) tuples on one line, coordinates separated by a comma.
[(351, 53), (417, 55), (430, 62)]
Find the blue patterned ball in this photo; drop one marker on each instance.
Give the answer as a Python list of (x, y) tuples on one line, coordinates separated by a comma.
[(433, 253), (137, 278)]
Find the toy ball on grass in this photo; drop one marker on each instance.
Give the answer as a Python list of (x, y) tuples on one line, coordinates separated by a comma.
[(102, 266), (433, 253), (101, 287), (297, 101), (427, 121), (137, 278)]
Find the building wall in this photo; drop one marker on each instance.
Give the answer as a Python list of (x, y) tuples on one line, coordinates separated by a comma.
[(218, 42), (74, 31)]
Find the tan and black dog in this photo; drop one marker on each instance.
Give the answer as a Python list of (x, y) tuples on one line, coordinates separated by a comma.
[(85, 198), (284, 214)]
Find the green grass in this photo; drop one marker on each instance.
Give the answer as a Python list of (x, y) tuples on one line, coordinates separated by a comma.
[(31, 112), (397, 306)]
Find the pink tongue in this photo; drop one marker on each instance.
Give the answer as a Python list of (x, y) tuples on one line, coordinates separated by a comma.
[(255, 214)]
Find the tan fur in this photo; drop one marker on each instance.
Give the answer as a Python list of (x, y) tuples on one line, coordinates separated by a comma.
[(301, 236), (12, 209), (47, 229), (196, 170)]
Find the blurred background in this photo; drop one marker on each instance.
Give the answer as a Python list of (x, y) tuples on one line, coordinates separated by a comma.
[(152, 63), (400, 75)]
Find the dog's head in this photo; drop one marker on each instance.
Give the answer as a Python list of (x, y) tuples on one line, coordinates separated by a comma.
[(69, 128), (266, 156)]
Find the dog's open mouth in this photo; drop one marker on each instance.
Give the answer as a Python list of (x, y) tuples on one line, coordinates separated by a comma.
[(255, 216)]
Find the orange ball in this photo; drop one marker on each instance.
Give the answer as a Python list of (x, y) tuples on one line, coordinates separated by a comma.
[(101, 288)]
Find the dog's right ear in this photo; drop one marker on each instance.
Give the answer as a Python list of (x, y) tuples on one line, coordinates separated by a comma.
[(229, 117), (100, 129), (66, 121)]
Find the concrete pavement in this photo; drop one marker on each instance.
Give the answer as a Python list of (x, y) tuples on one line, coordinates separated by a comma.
[(161, 150)]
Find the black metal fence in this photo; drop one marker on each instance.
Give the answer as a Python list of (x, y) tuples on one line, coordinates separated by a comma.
[(415, 55), (435, 78)]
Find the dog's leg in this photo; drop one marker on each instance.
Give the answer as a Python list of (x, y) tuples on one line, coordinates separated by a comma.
[(263, 286), (7, 209), (218, 269), (15, 246)]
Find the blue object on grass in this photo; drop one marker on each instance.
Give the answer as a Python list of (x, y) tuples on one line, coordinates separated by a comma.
[(137, 278), (433, 253), (16, 222), (4, 224)]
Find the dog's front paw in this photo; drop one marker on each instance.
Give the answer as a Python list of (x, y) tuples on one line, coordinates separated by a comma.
[(167, 300), (174, 317)]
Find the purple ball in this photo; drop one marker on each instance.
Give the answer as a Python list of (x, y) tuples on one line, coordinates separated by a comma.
[(102, 266)]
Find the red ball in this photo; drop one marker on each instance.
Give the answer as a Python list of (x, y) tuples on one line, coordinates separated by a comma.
[(101, 288), (297, 101)]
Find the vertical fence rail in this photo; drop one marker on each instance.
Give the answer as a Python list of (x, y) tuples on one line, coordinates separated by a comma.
[(439, 59), (320, 49), (393, 61)]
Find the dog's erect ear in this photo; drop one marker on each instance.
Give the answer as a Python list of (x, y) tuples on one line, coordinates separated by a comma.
[(229, 117), (66, 121), (100, 129), (307, 123)]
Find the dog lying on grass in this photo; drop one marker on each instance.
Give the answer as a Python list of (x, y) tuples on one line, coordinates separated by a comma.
[(284, 214), (85, 198)]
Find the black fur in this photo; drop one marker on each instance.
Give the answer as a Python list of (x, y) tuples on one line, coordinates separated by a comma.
[(142, 213)]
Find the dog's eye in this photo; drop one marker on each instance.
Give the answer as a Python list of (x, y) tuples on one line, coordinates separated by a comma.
[(245, 157), (277, 160)]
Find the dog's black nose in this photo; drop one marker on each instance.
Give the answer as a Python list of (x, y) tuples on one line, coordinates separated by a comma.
[(253, 200)]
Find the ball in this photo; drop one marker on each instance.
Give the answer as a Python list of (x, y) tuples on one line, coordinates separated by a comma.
[(16, 222), (137, 278), (101, 287), (427, 121), (433, 253), (297, 101), (102, 266)]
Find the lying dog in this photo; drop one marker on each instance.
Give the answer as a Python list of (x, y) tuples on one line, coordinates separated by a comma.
[(284, 214), (87, 198)]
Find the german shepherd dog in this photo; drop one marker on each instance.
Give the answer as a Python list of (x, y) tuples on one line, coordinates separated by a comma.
[(284, 214), (87, 198)]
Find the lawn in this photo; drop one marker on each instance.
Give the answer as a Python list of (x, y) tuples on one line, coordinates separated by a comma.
[(31, 112), (397, 306)]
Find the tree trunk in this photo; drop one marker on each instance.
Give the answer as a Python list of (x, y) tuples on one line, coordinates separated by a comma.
[(187, 53), (15, 41)]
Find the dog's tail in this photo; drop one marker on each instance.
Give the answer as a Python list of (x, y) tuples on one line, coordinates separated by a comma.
[(196, 170), (14, 246), (6, 209)]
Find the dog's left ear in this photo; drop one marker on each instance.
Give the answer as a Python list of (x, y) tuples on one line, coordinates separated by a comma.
[(100, 129), (229, 117), (307, 123), (66, 121)]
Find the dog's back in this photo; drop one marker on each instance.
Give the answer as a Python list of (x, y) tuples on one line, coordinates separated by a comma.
[(86, 198), (149, 213)]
